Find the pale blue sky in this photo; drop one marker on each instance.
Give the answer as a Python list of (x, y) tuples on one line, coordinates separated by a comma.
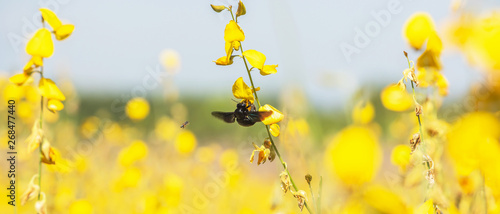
[(115, 41)]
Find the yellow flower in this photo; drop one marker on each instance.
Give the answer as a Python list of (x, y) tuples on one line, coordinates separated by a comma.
[(131, 177), (384, 200), (34, 62), (257, 60), (228, 59), (218, 8), (275, 130), (241, 90), (442, 84), (81, 206), (275, 117), (49, 90), (61, 31), (186, 142), (138, 150), (20, 79), (40, 44), (265, 152), (137, 108), (171, 60), (301, 197), (32, 191), (35, 138), (393, 98), (354, 155), (418, 28), (363, 112), (55, 105), (233, 34), (471, 142), (400, 156)]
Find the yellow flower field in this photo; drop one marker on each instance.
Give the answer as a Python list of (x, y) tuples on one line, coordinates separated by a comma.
[(400, 143)]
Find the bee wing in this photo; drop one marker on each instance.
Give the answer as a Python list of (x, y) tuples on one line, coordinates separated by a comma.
[(228, 117), (257, 116)]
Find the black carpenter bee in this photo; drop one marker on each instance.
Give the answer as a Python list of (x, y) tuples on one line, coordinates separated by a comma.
[(245, 114)]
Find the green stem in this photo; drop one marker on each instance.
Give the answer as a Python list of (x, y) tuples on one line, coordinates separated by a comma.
[(40, 145), (267, 126), (422, 146)]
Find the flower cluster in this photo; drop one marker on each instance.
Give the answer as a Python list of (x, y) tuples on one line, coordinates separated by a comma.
[(41, 46), (233, 37)]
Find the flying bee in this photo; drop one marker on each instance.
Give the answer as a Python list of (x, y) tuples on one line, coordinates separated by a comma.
[(245, 114), (184, 124)]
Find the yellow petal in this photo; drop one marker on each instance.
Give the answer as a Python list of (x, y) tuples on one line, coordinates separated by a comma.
[(275, 130), (19, 79), (418, 28), (233, 32), (434, 43), (50, 90), (384, 200), (55, 105), (51, 18), (429, 59), (241, 90), (64, 31), (442, 84), (363, 112), (137, 108), (275, 117), (255, 58), (425, 208), (268, 69), (400, 156), (40, 44), (394, 99), (224, 61)]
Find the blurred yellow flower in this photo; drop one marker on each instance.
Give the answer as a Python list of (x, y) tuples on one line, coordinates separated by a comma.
[(137, 108), (171, 60), (242, 91), (418, 28), (64, 31), (363, 112), (400, 156), (24, 110), (426, 208), (478, 38), (131, 177), (81, 206), (229, 158), (471, 142), (138, 150), (384, 200), (395, 99), (185, 142), (354, 155), (174, 186), (275, 117), (40, 44), (166, 129)]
